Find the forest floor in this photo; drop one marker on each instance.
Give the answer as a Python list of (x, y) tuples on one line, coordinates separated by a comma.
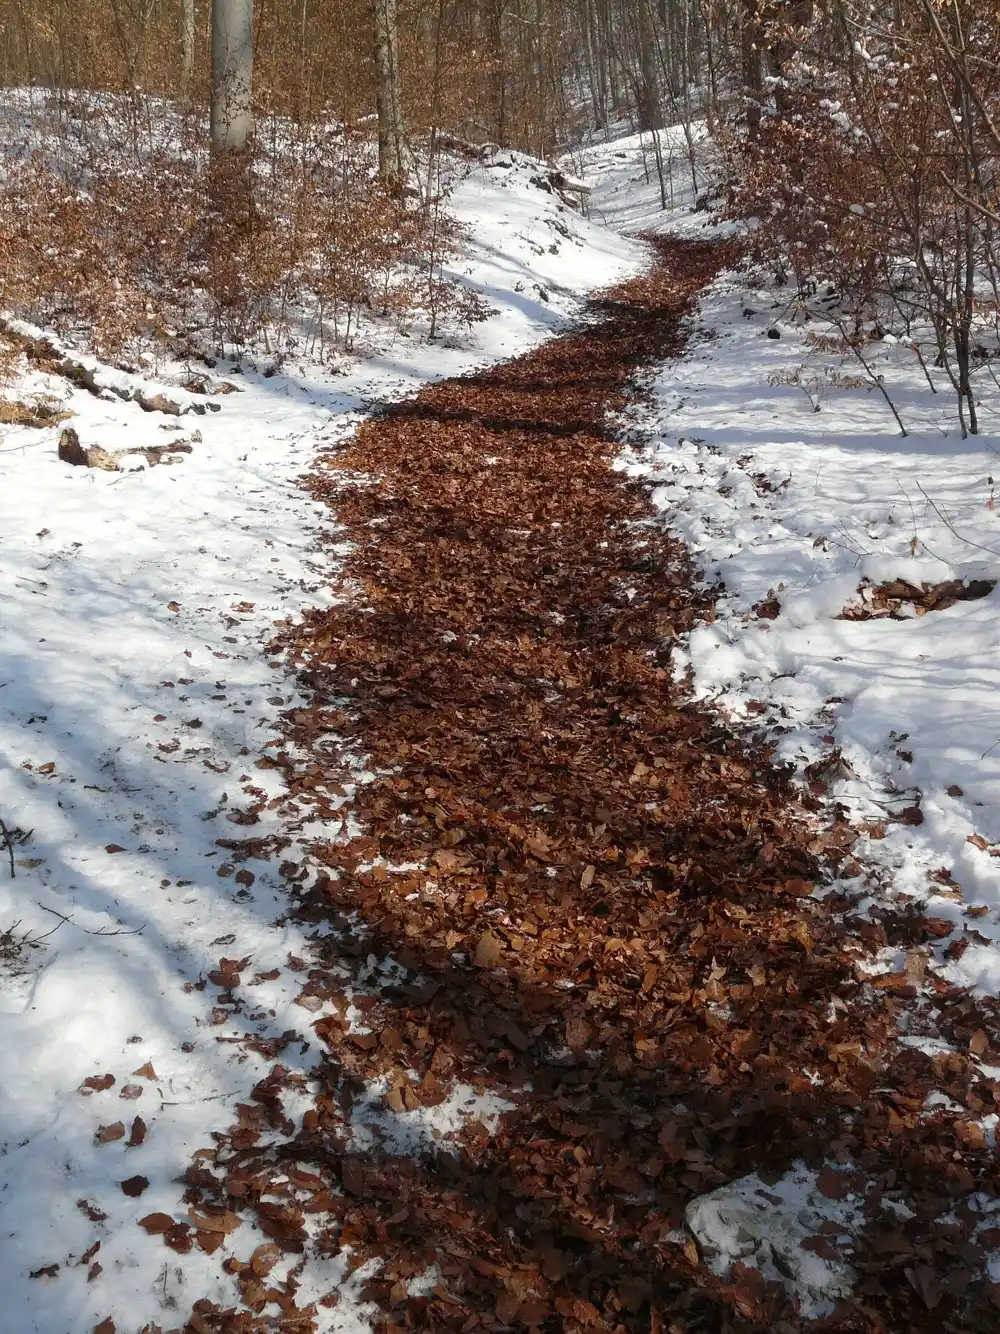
[(475, 968), (567, 897)]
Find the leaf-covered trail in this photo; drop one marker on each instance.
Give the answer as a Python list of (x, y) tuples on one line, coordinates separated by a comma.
[(564, 886)]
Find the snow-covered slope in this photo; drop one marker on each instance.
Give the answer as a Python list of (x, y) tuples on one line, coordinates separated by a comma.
[(135, 697)]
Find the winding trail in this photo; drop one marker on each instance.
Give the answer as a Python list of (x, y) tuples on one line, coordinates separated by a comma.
[(594, 897)]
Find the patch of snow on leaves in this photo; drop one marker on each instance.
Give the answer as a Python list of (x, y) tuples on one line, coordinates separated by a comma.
[(791, 1231)]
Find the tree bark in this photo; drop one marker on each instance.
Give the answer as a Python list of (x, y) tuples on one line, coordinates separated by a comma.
[(389, 95), (232, 74), (187, 44)]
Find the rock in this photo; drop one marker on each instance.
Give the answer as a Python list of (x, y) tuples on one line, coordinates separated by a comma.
[(784, 1231), (70, 449), (159, 403), (102, 458)]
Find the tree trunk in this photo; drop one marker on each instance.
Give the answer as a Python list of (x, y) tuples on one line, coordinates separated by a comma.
[(232, 74), (389, 95), (187, 45)]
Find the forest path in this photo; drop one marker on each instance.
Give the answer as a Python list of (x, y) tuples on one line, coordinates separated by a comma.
[(570, 976)]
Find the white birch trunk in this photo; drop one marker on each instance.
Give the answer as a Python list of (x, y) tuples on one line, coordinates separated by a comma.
[(232, 74)]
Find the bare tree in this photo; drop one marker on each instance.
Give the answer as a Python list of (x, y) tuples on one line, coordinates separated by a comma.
[(232, 74), (389, 94), (187, 44)]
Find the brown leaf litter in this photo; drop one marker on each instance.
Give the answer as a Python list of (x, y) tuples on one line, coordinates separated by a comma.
[(609, 925)]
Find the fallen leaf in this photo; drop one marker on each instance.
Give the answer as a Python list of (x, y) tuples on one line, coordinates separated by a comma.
[(97, 1083), (353, 1176), (834, 1185), (225, 1222), (578, 1032), (108, 1134), (46, 1271), (113, 847), (264, 1258), (107, 1326), (134, 1186), (146, 1071), (138, 1133), (488, 951), (156, 1224), (130, 1092)]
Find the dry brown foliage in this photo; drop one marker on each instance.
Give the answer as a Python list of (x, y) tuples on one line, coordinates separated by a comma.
[(609, 923)]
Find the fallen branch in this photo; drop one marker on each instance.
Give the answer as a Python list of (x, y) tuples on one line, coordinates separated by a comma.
[(69, 921), (8, 841)]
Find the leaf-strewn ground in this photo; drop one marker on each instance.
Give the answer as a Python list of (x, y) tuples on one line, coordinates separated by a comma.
[(596, 904)]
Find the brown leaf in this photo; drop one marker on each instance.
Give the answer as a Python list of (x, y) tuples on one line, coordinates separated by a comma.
[(46, 1271), (107, 1326), (97, 1083), (134, 1186), (353, 1176), (138, 1134), (146, 1071), (209, 1242), (178, 1238), (587, 878), (800, 888), (979, 1043), (130, 1092), (488, 951), (108, 1134), (224, 1222), (264, 1258), (156, 1224), (578, 1032)]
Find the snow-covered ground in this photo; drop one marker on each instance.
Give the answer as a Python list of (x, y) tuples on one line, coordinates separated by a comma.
[(802, 514), (136, 696), (796, 509), (135, 699)]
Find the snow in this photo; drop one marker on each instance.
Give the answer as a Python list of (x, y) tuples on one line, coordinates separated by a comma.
[(764, 1225), (780, 502), (135, 700), (136, 697)]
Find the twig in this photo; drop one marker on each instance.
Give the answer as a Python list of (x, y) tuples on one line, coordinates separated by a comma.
[(951, 527), (10, 846), (63, 918)]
